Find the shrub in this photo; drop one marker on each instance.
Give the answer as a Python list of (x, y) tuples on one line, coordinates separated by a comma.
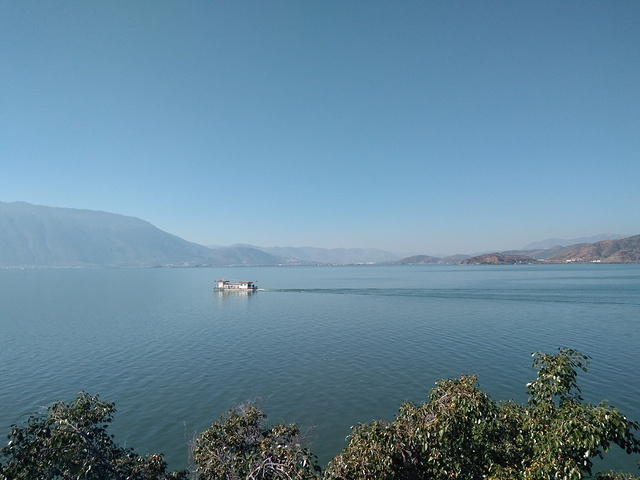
[(239, 446), (71, 441)]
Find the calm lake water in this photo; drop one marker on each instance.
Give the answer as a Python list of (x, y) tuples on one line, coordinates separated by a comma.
[(326, 347)]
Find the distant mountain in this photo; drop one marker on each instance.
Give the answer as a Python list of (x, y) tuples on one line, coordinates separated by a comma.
[(454, 259), (498, 259), (430, 260), (418, 260), (553, 242), (624, 250), (330, 255), (538, 254), (32, 235), (238, 255)]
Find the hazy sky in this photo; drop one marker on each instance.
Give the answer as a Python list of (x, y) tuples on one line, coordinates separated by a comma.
[(414, 126)]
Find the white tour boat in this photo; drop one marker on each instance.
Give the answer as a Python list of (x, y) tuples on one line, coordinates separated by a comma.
[(225, 285)]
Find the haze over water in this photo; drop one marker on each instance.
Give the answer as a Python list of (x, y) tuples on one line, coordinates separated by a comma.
[(326, 347)]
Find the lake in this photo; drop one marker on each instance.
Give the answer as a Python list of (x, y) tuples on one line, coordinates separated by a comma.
[(325, 347)]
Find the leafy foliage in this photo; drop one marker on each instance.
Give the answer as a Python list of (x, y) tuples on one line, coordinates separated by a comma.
[(438, 439), (461, 433), (562, 433), (239, 446), (70, 441), (458, 433), (616, 476)]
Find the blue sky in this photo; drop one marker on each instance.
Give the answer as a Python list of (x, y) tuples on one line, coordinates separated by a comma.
[(413, 126)]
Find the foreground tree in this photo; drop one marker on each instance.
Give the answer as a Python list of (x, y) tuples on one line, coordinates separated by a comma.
[(458, 433), (563, 434), (70, 441), (239, 446), (461, 433)]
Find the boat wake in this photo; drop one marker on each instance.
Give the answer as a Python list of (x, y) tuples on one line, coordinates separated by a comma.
[(351, 291), (543, 296)]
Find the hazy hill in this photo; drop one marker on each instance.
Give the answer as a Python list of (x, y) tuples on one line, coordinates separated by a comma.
[(553, 242), (330, 255), (498, 259), (418, 260), (453, 259), (238, 255), (538, 254), (430, 260), (32, 235), (624, 250)]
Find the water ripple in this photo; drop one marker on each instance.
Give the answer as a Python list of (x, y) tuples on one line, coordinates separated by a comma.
[(347, 346)]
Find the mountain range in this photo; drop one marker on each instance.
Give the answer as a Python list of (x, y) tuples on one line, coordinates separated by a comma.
[(41, 236), (622, 250), (328, 255), (46, 236), (563, 242)]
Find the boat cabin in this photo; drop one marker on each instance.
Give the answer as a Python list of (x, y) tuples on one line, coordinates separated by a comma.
[(241, 286)]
